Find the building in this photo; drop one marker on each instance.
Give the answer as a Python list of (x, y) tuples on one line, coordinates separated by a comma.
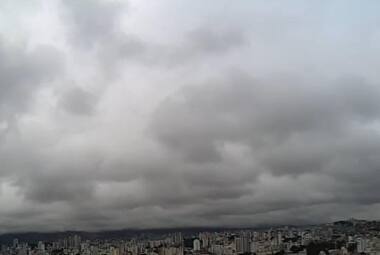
[(196, 245)]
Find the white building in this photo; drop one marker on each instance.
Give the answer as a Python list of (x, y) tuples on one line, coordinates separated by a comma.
[(196, 245)]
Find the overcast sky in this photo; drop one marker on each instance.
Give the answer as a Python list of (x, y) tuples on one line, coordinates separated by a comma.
[(168, 113)]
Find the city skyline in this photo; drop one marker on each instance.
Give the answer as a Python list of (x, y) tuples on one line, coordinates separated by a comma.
[(346, 237), (124, 114)]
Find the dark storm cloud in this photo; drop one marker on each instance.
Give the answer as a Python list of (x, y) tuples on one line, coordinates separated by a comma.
[(291, 128), (265, 154), (47, 189)]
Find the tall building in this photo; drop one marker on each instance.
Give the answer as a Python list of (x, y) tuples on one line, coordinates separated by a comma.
[(41, 246), (15, 243), (243, 244), (177, 238), (279, 238), (361, 244), (204, 240), (196, 245), (77, 241)]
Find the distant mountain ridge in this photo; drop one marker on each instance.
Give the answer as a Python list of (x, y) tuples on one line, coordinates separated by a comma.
[(34, 237), (31, 237)]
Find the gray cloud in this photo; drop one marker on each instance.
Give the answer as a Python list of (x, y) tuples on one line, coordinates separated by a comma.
[(22, 72), (195, 45), (177, 118), (211, 40), (52, 189), (290, 128), (78, 101), (91, 21)]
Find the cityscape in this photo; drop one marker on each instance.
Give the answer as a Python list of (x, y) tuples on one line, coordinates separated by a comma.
[(338, 238)]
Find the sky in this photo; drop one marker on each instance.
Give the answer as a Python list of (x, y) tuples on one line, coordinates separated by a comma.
[(173, 113)]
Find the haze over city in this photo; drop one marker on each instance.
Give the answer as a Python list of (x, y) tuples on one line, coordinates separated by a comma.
[(172, 113)]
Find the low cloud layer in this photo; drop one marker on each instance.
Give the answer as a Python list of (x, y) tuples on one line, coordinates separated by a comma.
[(118, 114)]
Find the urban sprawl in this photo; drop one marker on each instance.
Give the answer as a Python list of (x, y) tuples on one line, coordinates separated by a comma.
[(337, 238)]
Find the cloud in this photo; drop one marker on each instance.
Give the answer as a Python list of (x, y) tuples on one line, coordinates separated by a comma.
[(92, 21), (194, 46), (187, 115), (290, 130), (23, 72), (210, 40), (78, 101)]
